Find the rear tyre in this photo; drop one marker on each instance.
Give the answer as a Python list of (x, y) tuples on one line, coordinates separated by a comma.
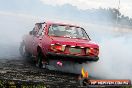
[(39, 59)]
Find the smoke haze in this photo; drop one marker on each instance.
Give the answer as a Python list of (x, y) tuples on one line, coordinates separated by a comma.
[(115, 46), (115, 59), (12, 27)]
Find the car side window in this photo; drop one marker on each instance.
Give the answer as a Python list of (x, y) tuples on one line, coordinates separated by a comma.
[(35, 30), (51, 32), (41, 29)]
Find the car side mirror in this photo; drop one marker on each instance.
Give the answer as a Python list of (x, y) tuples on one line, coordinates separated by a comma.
[(32, 33)]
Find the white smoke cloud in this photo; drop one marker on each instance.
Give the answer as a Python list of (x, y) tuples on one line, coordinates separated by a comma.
[(115, 59), (115, 51), (13, 27)]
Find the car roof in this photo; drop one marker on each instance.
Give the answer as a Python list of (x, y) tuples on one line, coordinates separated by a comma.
[(61, 24)]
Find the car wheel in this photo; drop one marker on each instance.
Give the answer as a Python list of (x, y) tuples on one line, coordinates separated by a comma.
[(39, 60)]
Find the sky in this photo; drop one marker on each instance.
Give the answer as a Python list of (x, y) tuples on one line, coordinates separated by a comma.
[(49, 7)]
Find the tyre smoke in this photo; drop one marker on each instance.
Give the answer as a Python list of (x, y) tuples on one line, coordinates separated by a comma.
[(115, 59), (115, 47), (13, 27)]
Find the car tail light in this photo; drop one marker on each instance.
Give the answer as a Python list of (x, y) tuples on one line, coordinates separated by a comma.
[(87, 50), (57, 47), (92, 51)]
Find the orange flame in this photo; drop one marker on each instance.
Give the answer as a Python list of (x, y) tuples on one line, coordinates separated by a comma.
[(84, 73)]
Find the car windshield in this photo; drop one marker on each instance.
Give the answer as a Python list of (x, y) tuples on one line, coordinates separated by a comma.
[(67, 31)]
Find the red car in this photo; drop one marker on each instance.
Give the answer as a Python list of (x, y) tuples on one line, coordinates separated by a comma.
[(56, 41)]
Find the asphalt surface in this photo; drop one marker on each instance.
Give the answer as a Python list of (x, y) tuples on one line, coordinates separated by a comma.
[(22, 70)]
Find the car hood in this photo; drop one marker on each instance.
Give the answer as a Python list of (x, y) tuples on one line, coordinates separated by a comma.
[(74, 42)]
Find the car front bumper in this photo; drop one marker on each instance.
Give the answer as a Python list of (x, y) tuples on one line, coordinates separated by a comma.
[(67, 57)]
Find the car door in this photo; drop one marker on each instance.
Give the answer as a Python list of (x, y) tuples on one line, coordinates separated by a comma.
[(37, 39)]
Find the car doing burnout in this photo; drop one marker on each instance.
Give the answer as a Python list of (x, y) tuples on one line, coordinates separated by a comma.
[(56, 41)]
